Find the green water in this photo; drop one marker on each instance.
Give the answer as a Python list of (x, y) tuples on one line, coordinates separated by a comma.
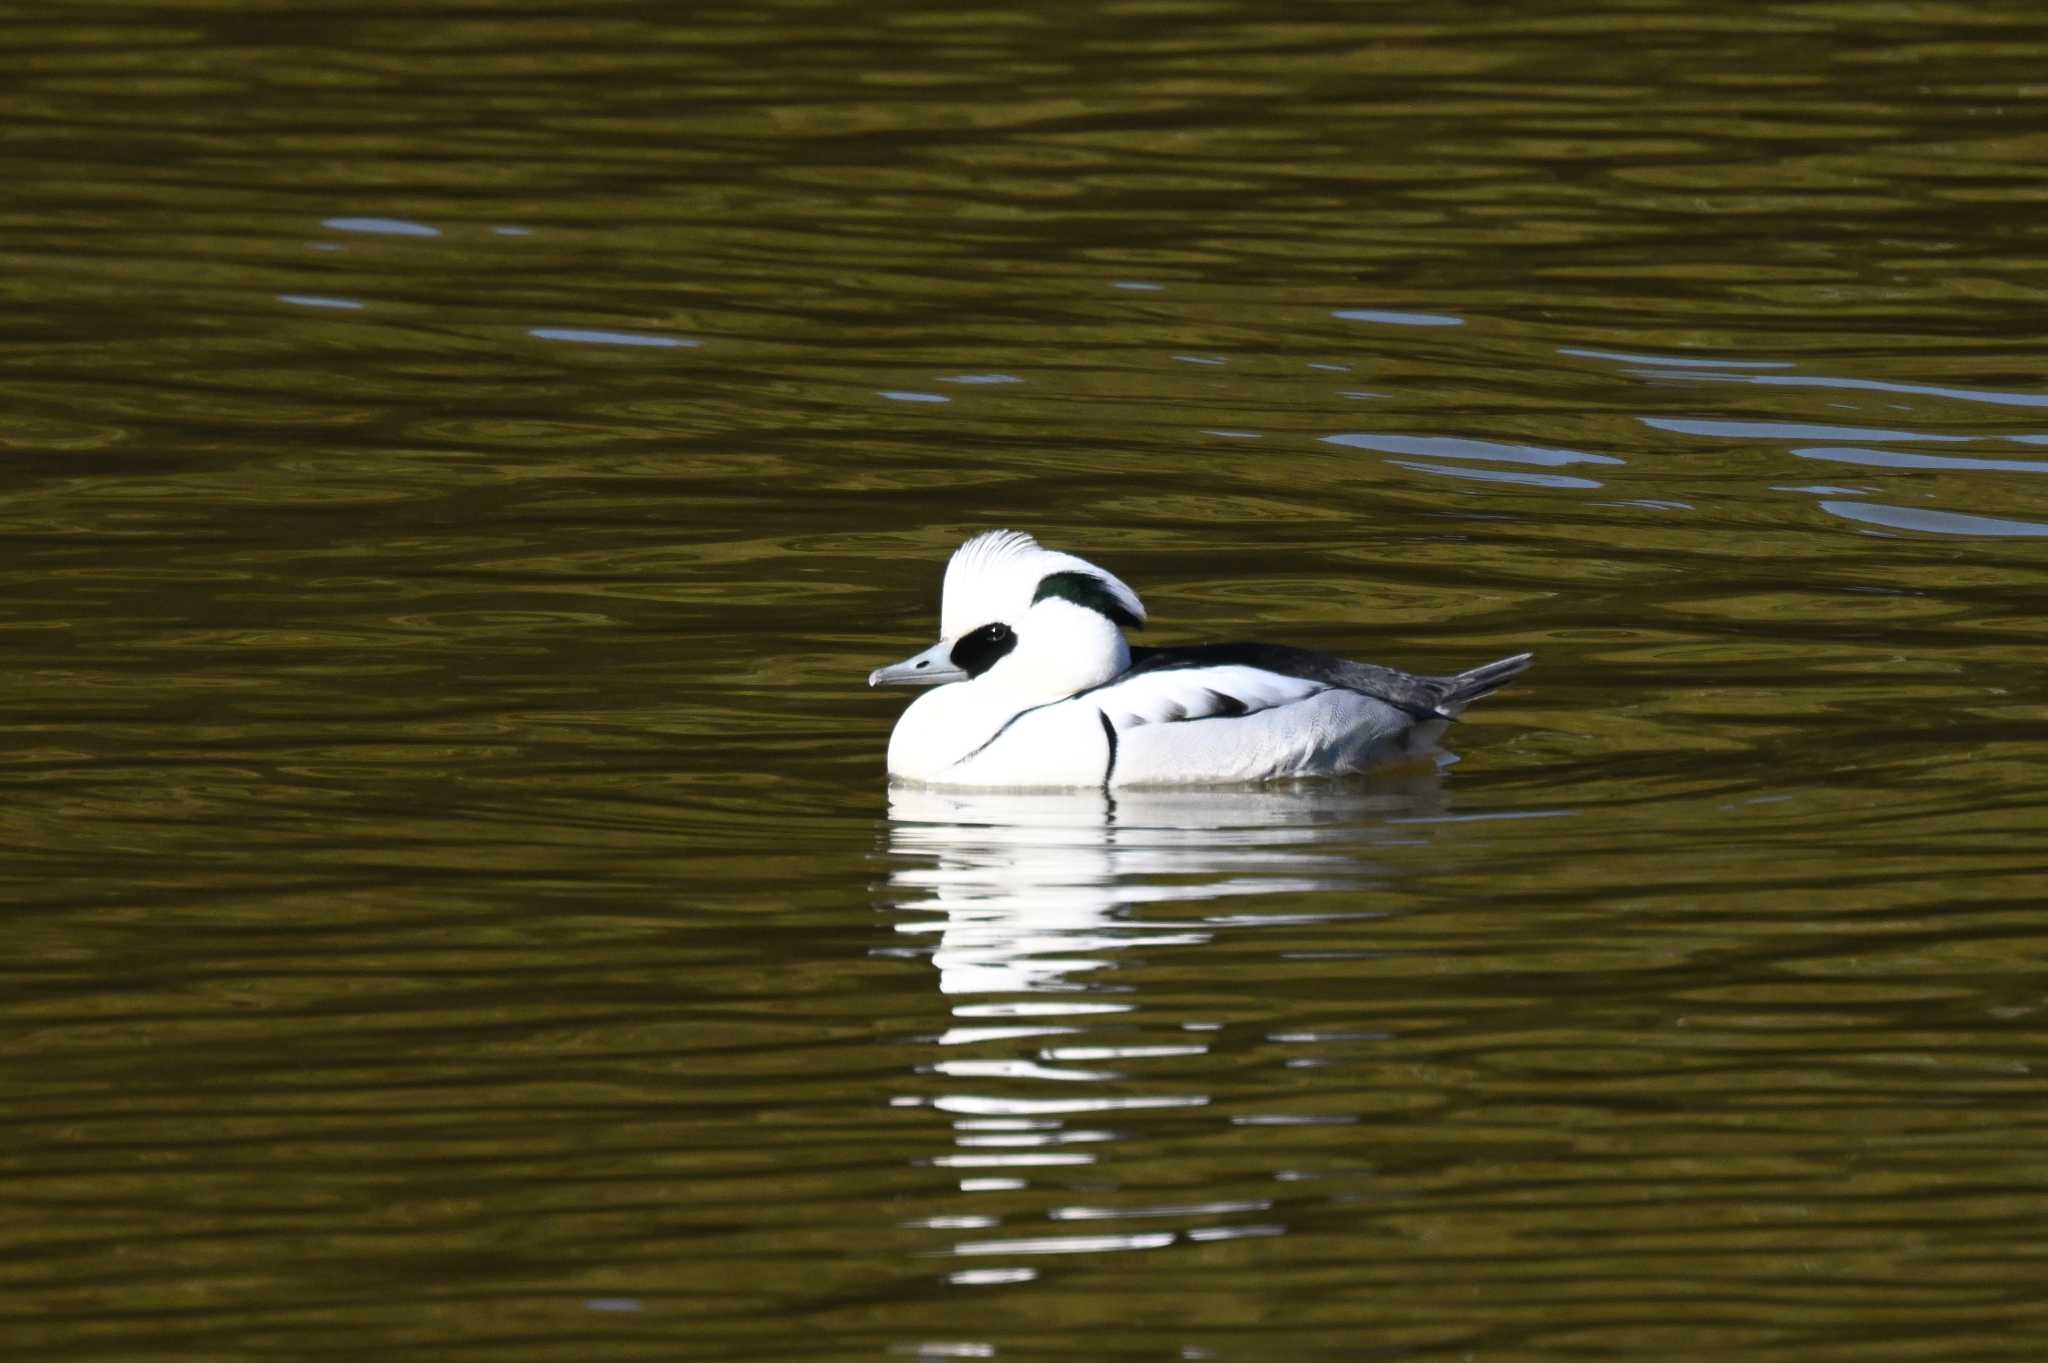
[(458, 464)]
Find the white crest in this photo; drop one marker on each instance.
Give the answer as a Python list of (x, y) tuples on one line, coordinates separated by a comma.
[(994, 576)]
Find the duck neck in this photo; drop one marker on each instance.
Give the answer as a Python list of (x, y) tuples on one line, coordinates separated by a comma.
[(1061, 652), (1063, 649)]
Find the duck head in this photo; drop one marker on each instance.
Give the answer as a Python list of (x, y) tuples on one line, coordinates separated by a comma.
[(1025, 622)]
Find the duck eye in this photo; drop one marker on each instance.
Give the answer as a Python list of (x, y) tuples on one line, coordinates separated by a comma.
[(980, 649)]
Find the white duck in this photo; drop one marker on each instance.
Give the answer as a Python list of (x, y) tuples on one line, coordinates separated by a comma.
[(1037, 689)]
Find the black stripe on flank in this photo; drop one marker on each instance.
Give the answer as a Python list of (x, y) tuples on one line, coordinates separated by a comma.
[(1108, 732), (1086, 589), (978, 650)]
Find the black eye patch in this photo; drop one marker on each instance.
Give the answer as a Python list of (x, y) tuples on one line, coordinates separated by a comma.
[(979, 650)]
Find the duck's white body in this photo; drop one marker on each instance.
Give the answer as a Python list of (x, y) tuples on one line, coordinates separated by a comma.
[(1038, 689), (1147, 731)]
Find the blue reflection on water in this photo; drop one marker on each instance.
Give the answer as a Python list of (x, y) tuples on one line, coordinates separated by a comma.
[(1934, 522), (1895, 459), (1787, 430), (585, 336), (1556, 480), (1672, 361), (1454, 447), (1398, 319), (388, 227), (310, 300)]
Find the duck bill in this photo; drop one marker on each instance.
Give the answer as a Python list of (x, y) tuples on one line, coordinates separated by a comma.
[(933, 667)]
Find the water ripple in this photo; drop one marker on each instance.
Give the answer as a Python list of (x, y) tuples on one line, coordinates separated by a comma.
[(1930, 521)]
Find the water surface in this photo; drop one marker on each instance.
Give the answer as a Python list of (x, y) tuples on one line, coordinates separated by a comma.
[(460, 463)]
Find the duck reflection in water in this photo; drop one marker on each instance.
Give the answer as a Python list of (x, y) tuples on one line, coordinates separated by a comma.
[(1034, 889), (1067, 928)]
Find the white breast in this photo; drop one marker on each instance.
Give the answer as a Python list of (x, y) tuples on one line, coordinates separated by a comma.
[(949, 738)]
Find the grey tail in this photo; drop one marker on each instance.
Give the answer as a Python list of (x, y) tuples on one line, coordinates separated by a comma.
[(1461, 690)]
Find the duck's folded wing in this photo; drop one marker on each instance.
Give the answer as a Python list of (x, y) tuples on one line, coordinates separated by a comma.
[(1172, 695), (1420, 696)]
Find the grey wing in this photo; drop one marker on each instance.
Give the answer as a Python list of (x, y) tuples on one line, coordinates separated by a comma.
[(1442, 697), (1423, 697)]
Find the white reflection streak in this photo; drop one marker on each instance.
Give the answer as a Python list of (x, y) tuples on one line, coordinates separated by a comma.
[(969, 1036), (1010, 1160), (1067, 1244), (1026, 884), (1017, 1107), (1016, 1069), (1178, 1209), (1031, 888)]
